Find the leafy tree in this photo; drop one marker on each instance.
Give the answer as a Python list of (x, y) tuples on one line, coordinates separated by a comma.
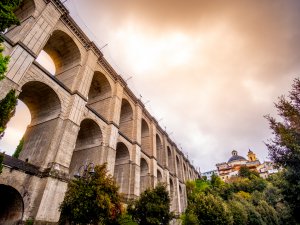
[(244, 172), (126, 219), (210, 209), (92, 200), (239, 212), (284, 148), (1, 161), (7, 16), (7, 19), (7, 110), (152, 208), (19, 148), (3, 63), (267, 212), (189, 219), (247, 173)]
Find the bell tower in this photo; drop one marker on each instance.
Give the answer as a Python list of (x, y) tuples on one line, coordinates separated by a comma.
[(251, 156)]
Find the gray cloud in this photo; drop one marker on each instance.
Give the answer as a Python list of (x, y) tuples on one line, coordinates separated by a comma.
[(211, 69), (234, 59)]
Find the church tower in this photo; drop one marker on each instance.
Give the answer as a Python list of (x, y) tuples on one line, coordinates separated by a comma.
[(251, 156)]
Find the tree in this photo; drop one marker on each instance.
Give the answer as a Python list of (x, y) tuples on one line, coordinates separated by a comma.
[(7, 16), (210, 209), (7, 19), (153, 207), (92, 199), (19, 148), (7, 110), (1, 161), (284, 148)]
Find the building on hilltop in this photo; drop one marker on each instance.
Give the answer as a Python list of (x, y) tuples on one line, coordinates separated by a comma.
[(226, 170), (209, 174)]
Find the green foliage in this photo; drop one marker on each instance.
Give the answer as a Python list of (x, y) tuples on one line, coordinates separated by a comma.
[(126, 219), (244, 201), (189, 219), (7, 16), (239, 212), (7, 19), (1, 161), (3, 63), (29, 222), (7, 110), (153, 207), (91, 200), (247, 173), (210, 209), (284, 148), (19, 148)]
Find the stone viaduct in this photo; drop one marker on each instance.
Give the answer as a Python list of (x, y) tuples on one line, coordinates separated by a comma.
[(83, 113)]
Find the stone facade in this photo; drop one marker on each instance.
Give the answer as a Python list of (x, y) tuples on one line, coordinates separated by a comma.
[(83, 113)]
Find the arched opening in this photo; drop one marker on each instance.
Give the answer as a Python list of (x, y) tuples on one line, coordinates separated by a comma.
[(159, 150), (100, 95), (65, 55), (122, 168), (184, 172), (45, 107), (145, 181), (145, 138), (88, 146), (11, 207), (126, 119), (179, 170), (46, 61), (170, 160), (15, 129), (159, 177)]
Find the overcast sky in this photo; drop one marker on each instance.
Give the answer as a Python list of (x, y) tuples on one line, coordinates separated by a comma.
[(210, 69)]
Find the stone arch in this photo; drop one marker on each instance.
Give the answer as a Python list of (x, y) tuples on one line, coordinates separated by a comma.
[(88, 145), (145, 138), (12, 205), (179, 170), (170, 160), (185, 175), (126, 119), (25, 10), (45, 108), (122, 167), (100, 94), (159, 150), (145, 181), (65, 55), (159, 177)]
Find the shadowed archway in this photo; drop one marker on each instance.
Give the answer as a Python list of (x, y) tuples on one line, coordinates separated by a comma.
[(11, 206)]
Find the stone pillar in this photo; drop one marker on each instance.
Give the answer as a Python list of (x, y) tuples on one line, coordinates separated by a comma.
[(68, 135), (84, 78), (53, 195)]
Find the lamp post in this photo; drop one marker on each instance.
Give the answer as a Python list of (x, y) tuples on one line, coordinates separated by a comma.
[(85, 171)]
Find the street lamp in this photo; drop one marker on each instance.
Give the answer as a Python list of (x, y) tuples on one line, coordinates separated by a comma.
[(88, 169)]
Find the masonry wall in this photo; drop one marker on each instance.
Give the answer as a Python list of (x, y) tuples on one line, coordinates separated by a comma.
[(83, 113)]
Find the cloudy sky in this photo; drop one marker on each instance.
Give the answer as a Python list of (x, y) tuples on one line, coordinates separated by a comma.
[(208, 70)]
